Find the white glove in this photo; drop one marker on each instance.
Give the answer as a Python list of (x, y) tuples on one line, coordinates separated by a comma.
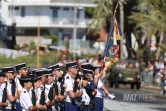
[(111, 96)]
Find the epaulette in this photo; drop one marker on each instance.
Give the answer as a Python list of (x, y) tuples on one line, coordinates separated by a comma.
[(41, 88), (32, 90), (67, 77), (18, 77), (24, 91)]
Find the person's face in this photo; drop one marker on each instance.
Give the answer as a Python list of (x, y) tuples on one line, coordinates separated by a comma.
[(23, 72), (29, 85), (37, 83), (73, 70), (10, 76), (50, 79), (58, 73), (89, 77), (149, 63), (2, 79)]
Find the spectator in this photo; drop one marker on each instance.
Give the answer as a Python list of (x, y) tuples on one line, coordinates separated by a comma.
[(149, 73), (163, 80), (150, 70)]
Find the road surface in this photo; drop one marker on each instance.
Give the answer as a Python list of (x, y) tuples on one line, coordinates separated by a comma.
[(135, 100)]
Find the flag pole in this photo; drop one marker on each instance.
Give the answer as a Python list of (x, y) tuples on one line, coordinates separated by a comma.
[(115, 10)]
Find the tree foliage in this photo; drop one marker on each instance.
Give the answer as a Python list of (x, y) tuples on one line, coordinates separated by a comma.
[(53, 37), (101, 16), (89, 12), (150, 13), (156, 18)]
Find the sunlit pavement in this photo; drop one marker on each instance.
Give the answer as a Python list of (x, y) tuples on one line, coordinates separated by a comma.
[(139, 100)]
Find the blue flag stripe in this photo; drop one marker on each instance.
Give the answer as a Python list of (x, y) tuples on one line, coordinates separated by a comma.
[(109, 38)]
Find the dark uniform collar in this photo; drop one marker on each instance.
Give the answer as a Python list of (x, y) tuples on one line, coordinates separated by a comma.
[(68, 76), (24, 90)]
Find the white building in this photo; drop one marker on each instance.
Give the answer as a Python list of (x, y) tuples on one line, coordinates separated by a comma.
[(53, 16)]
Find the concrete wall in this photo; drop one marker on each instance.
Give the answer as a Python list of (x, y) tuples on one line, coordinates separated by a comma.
[(4, 11)]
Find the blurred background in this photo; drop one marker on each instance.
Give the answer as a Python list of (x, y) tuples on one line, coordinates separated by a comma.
[(44, 32)]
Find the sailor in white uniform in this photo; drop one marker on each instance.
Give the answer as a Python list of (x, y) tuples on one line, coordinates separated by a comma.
[(2, 81), (21, 70), (71, 68), (12, 93), (50, 89), (60, 93), (25, 98), (35, 87), (44, 79)]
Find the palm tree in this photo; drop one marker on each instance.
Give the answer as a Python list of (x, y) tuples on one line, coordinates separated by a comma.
[(31, 47), (152, 20), (101, 16), (53, 37)]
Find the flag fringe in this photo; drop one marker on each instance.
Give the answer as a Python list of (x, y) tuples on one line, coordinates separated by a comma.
[(112, 61), (118, 37)]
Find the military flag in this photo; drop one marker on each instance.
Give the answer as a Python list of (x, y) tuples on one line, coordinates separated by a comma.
[(117, 30), (111, 48)]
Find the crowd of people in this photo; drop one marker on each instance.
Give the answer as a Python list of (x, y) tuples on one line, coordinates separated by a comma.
[(154, 74), (77, 88)]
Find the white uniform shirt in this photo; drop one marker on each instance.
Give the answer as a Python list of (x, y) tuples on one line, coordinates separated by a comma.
[(85, 97), (3, 85), (48, 86), (37, 94), (69, 86), (1, 93), (9, 85), (25, 100), (18, 83), (100, 93), (39, 91), (58, 84)]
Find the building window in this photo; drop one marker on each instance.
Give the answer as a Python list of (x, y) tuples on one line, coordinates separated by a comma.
[(22, 11), (20, 31), (78, 13), (55, 8), (66, 8), (54, 13), (15, 8)]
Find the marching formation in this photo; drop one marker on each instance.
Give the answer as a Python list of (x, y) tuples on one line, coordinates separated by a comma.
[(50, 89)]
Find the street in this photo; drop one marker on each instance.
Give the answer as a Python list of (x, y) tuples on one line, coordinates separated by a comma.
[(135, 100)]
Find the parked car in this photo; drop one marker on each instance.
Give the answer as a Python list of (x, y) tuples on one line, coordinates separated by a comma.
[(125, 72)]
